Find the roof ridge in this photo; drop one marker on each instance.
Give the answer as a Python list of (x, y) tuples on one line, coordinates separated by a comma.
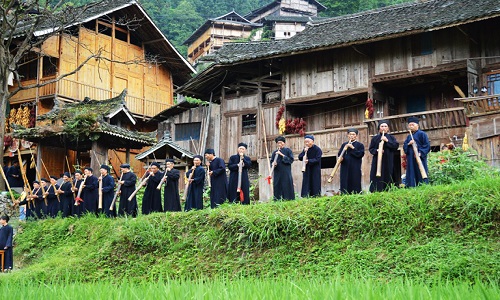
[(375, 11)]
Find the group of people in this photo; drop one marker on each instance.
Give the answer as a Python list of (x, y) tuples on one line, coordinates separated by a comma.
[(383, 147), (87, 193)]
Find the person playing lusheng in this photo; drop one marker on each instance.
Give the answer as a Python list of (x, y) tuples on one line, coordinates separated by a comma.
[(171, 199), (311, 177), (33, 210), (350, 168), (90, 191), (127, 187), (390, 147), (151, 201), (50, 193), (66, 195), (413, 174), (282, 160), (194, 198), (6, 235), (218, 178), (78, 207), (233, 166), (108, 187)]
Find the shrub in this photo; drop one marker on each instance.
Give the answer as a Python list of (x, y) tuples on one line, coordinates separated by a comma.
[(452, 166)]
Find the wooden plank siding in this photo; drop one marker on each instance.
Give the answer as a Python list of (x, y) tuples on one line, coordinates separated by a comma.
[(149, 86), (335, 70)]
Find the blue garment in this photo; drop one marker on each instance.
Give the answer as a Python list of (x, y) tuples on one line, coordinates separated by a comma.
[(171, 198), (311, 178), (232, 165), (386, 179), (67, 199), (6, 235), (413, 175), (52, 201), (194, 199), (108, 187), (350, 168), (127, 207), (218, 182), (282, 175), (91, 194), (151, 201)]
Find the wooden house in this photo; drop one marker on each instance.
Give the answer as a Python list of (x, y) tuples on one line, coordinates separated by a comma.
[(136, 56), (215, 32), (283, 17), (409, 59)]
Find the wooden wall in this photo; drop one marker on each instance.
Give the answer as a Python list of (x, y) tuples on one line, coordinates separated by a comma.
[(333, 70), (302, 5), (397, 55)]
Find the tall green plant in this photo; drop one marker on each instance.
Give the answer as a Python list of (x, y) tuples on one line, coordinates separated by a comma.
[(452, 166)]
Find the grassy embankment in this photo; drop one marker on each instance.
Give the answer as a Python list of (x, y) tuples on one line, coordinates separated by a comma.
[(429, 234)]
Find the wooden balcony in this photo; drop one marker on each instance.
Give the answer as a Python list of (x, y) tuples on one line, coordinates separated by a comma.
[(429, 120), (329, 140), (71, 91), (480, 106)]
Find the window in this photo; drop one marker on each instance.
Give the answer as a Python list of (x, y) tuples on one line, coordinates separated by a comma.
[(494, 84), (249, 124), (50, 66), (422, 44), (28, 68), (187, 131)]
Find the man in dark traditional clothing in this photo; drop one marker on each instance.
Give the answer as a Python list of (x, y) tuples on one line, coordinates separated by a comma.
[(413, 175), (171, 199), (14, 175), (218, 178), (151, 201), (108, 191), (382, 182), (311, 162), (78, 207), (6, 235), (350, 168), (282, 160), (50, 194), (66, 195), (233, 165), (127, 187), (90, 191), (194, 197)]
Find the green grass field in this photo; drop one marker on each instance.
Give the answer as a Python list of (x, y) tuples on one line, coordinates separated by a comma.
[(301, 289), (431, 242)]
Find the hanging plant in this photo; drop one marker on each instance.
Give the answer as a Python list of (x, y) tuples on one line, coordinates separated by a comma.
[(297, 125), (279, 116), (369, 109), (289, 126), (403, 161)]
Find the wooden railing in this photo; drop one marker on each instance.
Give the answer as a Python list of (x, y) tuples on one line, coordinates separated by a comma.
[(72, 91), (328, 140), (429, 120), (482, 105)]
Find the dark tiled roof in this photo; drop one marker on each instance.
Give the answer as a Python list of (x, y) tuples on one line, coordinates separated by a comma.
[(174, 110), (265, 8), (96, 108), (229, 18), (365, 26), (292, 19)]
